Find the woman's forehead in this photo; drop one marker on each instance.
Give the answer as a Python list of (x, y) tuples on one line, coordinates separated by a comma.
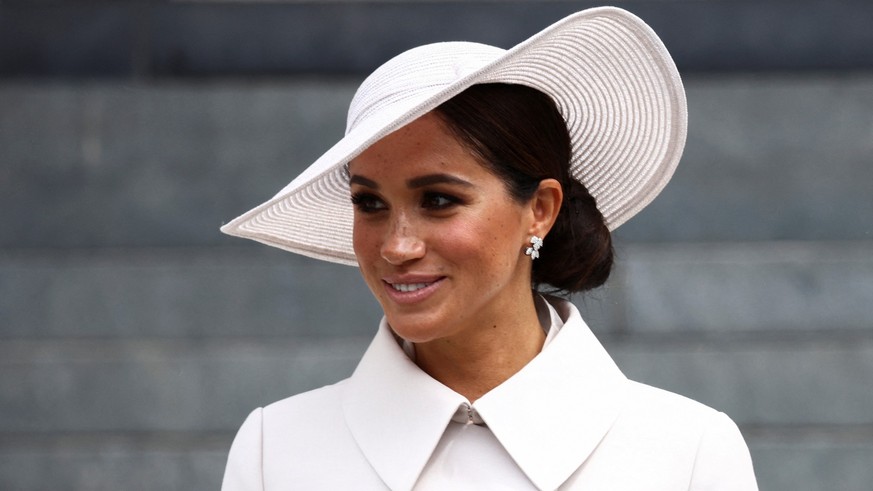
[(424, 144)]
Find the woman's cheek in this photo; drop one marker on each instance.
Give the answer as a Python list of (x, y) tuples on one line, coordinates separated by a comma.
[(365, 238), (459, 242)]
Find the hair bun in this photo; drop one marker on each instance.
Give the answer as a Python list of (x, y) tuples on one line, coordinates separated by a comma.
[(578, 251)]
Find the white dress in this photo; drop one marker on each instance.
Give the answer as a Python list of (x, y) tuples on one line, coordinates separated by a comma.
[(568, 420)]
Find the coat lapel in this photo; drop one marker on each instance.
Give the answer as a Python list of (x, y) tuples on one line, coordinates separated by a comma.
[(396, 412), (552, 414)]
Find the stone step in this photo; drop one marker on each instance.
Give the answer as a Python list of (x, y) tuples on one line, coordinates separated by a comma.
[(104, 164), (759, 289), (762, 383), (171, 385), (762, 288), (207, 386), (112, 463), (184, 39), (112, 165), (813, 465), (181, 293)]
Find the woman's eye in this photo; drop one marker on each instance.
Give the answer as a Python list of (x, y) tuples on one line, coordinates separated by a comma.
[(367, 203), (438, 201)]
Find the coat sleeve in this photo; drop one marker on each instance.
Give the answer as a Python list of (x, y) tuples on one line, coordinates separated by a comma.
[(723, 462), (244, 471)]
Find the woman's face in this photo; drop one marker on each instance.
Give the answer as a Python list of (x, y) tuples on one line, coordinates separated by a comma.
[(438, 238)]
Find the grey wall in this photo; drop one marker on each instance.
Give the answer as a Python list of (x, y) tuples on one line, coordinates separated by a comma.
[(134, 338)]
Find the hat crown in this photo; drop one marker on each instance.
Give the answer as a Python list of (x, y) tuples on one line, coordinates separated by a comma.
[(415, 75)]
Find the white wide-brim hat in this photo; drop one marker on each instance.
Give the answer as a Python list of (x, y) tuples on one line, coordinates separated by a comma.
[(612, 80)]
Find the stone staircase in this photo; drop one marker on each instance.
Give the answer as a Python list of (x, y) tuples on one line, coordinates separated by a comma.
[(134, 337)]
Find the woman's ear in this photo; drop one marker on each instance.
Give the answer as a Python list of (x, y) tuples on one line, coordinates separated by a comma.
[(545, 206)]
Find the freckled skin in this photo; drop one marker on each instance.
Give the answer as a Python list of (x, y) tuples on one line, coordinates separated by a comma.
[(475, 245), (482, 308)]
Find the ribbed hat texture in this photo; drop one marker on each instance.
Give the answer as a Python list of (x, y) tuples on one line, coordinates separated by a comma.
[(609, 74)]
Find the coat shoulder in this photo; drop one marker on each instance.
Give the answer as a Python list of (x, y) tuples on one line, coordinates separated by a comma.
[(669, 418), (665, 404), (679, 442), (292, 426), (295, 443), (313, 404)]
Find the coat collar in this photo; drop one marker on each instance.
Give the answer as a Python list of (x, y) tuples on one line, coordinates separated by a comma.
[(549, 416), (396, 412)]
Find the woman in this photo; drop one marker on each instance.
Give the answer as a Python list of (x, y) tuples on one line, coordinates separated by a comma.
[(474, 174)]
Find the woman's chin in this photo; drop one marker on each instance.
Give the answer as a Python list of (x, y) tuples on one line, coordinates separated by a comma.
[(416, 328), (414, 334)]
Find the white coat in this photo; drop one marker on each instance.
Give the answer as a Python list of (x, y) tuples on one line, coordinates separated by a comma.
[(569, 420)]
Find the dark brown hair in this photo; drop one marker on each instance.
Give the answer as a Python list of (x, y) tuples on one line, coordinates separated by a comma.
[(518, 133)]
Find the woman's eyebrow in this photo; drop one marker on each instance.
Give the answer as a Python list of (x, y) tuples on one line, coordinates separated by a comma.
[(421, 181), (363, 181)]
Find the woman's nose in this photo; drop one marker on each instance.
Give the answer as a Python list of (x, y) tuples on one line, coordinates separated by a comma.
[(402, 243)]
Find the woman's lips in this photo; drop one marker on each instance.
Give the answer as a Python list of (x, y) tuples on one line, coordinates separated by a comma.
[(411, 290)]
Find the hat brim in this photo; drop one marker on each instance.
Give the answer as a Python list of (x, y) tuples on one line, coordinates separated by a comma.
[(613, 81)]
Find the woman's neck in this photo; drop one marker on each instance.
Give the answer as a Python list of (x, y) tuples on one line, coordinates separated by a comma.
[(486, 356)]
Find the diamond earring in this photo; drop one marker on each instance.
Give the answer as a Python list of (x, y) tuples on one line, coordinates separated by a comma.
[(534, 250)]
